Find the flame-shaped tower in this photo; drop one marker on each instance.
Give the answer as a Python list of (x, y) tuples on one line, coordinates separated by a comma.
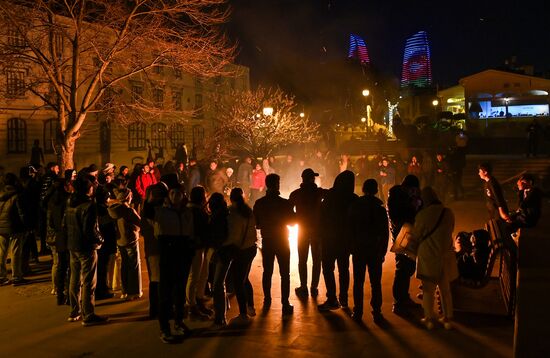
[(417, 65), (358, 49)]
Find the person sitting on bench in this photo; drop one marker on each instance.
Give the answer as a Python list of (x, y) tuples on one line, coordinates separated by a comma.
[(473, 254), (529, 204)]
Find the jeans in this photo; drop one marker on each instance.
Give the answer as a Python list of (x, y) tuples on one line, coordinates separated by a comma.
[(61, 271), (224, 258), (404, 269), (241, 269), (175, 262), (304, 243), (130, 270), (342, 259), (360, 265), (283, 259), (13, 243), (83, 283), (198, 275)]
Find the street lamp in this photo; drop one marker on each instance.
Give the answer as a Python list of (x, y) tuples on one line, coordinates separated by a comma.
[(366, 92), (302, 114), (268, 111), (435, 102)]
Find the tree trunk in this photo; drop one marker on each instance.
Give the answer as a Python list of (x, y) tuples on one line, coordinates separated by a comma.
[(67, 154)]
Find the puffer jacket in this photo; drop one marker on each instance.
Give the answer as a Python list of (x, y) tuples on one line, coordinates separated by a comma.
[(128, 223), (80, 223), (12, 211)]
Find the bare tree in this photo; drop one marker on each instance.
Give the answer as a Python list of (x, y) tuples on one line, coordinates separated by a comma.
[(244, 126), (80, 56)]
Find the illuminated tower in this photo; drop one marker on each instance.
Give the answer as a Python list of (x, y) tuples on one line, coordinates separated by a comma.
[(417, 66), (358, 49)]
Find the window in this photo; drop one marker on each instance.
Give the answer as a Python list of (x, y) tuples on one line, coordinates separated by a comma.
[(177, 134), (158, 97), (158, 135), (15, 86), (176, 100), (158, 69), (137, 93), (136, 136), (177, 72), (51, 130), (198, 136), (17, 135), (15, 38), (198, 106), (198, 83)]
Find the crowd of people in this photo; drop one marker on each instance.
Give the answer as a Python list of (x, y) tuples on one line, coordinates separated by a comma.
[(200, 234)]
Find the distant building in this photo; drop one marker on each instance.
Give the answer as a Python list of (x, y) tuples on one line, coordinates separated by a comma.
[(417, 65), (358, 49)]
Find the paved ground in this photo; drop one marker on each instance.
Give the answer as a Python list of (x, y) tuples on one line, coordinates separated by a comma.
[(32, 325)]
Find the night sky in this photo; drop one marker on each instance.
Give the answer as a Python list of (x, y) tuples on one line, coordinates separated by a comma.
[(281, 39)]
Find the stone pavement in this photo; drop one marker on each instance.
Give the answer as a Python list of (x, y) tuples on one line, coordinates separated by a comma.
[(31, 325)]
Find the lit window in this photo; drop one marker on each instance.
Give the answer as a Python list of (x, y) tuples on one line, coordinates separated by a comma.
[(136, 136), (177, 134), (15, 85)]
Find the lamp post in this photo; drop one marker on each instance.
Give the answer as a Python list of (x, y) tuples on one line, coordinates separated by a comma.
[(366, 93), (435, 103), (506, 101)]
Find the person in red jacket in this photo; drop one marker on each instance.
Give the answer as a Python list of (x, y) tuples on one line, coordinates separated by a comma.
[(257, 187), (145, 179)]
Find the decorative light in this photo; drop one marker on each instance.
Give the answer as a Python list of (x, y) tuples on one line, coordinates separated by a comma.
[(268, 111), (302, 114)]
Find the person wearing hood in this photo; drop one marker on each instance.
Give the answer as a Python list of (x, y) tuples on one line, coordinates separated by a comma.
[(128, 223), (12, 230), (369, 244), (307, 202), (273, 214), (436, 260), (83, 241), (335, 238), (404, 202)]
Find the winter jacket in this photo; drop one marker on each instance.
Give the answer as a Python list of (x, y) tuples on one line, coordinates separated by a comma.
[(47, 182), (81, 225), (56, 210), (216, 181), (307, 200), (143, 182), (258, 179), (435, 256), (12, 211), (128, 223), (200, 225), (173, 222), (218, 228), (242, 230), (368, 222), (273, 214), (335, 233)]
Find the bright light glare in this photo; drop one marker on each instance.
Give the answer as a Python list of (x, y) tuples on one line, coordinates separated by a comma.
[(293, 239), (363, 120), (435, 102), (366, 92), (268, 111), (302, 115)]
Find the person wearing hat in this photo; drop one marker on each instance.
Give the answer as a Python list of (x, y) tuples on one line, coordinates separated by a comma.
[(306, 201), (128, 223), (273, 214)]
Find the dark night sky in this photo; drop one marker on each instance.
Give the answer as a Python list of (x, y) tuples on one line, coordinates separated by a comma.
[(278, 39)]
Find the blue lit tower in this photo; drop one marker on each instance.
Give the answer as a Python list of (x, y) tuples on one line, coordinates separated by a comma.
[(358, 49), (417, 66)]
